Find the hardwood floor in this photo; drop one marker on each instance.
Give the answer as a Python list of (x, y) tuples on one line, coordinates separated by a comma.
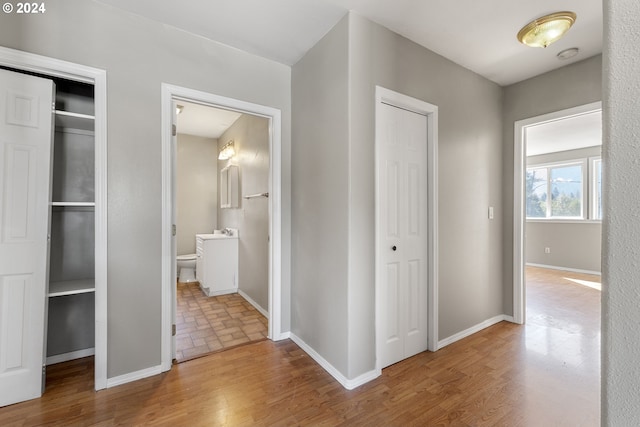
[(208, 324), (545, 373)]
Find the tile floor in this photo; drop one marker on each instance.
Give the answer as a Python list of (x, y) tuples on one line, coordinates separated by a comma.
[(208, 324)]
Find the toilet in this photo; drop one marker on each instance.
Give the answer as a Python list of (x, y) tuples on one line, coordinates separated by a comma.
[(186, 268)]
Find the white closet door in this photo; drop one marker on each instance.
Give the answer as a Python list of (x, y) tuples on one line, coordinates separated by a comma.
[(403, 233), (26, 122)]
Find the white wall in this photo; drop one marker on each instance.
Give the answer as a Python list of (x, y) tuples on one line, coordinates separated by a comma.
[(570, 86), (251, 142), (621, 244), (139, 55), (196, 189)]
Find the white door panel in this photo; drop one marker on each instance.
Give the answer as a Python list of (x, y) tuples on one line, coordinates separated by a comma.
[(403, 234), (26, 124)]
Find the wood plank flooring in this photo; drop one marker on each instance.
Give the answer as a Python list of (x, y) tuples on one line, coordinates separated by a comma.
[(545, 373), (208, 324)]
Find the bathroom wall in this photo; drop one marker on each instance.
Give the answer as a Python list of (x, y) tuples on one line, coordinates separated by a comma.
[(250, 135), (196, 189)]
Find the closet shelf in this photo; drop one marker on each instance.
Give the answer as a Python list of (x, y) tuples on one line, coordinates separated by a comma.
[(69, 120), (71, 287)]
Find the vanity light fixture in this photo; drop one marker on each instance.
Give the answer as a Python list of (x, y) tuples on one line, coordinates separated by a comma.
[(227, 151), (547, 29)]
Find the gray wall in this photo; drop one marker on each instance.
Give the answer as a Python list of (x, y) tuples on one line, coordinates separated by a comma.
[(333, 212), (251, 142), (320, 190), (621, 245), (469, 181), (576, 84), (196, 189), (573, 244), (139, 55)]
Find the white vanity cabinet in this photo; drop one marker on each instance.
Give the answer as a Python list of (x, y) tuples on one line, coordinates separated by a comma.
[(217, 263)]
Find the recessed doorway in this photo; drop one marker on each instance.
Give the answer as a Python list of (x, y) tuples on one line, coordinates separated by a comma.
[(172, 95), (222, 229), (557, 195)]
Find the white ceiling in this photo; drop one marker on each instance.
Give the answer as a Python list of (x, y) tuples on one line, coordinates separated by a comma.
[(479, 35), (569, 133), (201, 120)]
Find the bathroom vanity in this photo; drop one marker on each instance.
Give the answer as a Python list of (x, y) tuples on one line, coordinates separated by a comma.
[(217, 263)]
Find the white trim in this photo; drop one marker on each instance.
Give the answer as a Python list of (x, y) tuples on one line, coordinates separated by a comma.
[(344, 381), (573, 270), (64, 357), (134, 376), (170, 93), (519, 209), (593, 187), (564, 221), (399, 100), (585, 197), (98, 78), (474, 329), (255, 305)]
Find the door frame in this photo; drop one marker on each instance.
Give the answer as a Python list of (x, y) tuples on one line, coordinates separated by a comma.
[(171, 93), (26, 61), (399, 100), (519, 208)]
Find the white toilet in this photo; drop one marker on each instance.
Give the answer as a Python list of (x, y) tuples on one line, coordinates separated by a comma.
[(186, 268)]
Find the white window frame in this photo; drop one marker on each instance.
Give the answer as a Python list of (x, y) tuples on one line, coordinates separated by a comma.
[(583, 190), (593, 191)]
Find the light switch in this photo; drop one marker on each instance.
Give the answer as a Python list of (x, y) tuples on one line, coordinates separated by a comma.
[(490, 212)]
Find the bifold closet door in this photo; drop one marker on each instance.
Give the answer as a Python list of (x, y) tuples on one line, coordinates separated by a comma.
[(402, 250), (26, 120)]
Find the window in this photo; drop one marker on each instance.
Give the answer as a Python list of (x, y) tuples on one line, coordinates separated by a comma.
[(556, 191), (596, 188)]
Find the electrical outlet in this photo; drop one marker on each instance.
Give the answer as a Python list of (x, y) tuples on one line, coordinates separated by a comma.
[(547, 250)]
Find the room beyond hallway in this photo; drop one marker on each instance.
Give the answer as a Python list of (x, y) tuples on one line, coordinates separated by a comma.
[(210, 324)]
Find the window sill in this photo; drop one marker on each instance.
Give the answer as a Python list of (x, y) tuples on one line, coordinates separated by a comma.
[(564, 221)]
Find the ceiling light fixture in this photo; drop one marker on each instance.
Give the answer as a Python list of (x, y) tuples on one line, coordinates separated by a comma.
[(547, 29), (227, 151)]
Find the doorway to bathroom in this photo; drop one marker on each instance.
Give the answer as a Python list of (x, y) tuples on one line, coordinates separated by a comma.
[(221, 207), (222, 238)]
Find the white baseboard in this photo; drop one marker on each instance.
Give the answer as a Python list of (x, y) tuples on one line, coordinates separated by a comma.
[(59, 358), (255, 305), (344, 381), (134, 376), (472, 330), (573, 270)]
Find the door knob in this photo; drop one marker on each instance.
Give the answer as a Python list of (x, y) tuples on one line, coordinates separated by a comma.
[(393, 248)]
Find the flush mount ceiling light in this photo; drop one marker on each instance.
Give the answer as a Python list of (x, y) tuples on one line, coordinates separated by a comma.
[(547, 29), (227, 151)]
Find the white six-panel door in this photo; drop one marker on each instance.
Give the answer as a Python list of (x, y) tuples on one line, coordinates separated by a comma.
[(25, 175), (402, 234)]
